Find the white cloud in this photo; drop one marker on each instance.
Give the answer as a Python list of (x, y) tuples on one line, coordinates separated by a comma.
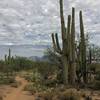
[(20, 17)]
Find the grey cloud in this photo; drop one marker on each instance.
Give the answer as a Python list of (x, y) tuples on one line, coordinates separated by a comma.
[(40, 18)]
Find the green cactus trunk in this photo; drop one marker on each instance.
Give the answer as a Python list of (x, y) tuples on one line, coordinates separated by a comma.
[(9, 55), (83, 49), (72, 50), (5, 58)]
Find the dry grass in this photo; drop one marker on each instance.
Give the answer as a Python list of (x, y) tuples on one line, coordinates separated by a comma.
[(57, 95)]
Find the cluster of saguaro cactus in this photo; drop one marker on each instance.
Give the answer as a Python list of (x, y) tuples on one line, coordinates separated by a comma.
[(68, 50)]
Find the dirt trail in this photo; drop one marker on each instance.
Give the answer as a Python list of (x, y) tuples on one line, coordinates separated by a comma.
[(18, 93)]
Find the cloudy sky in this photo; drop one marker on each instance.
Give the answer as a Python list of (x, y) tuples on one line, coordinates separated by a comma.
[(33, 21)]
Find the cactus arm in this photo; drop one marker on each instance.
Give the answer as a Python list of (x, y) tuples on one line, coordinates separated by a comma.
[(55, 45), (62, 20), (73, 34), (81, 26), (53, 41), (68, 36), (72, 50), (57, 42)]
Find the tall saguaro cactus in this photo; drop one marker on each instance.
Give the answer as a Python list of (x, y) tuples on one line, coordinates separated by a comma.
[(9, 55), (82, 49), (56, 45), (68, 49), (73, 63), (62, 20)]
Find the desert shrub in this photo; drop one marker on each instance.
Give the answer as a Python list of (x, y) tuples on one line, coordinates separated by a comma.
[(33, 76), (21, 63), (95, 66), (35, 88), (36, 81), (7, 81), (29, 88), (15, 84), (56, 95), (45, 68), (36, 76), (96, 85), (98, 76), (67, 96), (6, 78)]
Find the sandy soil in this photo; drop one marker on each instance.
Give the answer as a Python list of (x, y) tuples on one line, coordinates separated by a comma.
[(18, 93)]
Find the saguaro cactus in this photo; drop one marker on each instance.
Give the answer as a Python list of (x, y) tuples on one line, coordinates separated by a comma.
[(83, 49), (56, 45), (68, 45), (5, 58), (68, 50), (9, 55), (72, 50), (63, 29)]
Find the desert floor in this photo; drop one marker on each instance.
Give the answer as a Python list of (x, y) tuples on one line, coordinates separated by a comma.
[(10, 93)]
